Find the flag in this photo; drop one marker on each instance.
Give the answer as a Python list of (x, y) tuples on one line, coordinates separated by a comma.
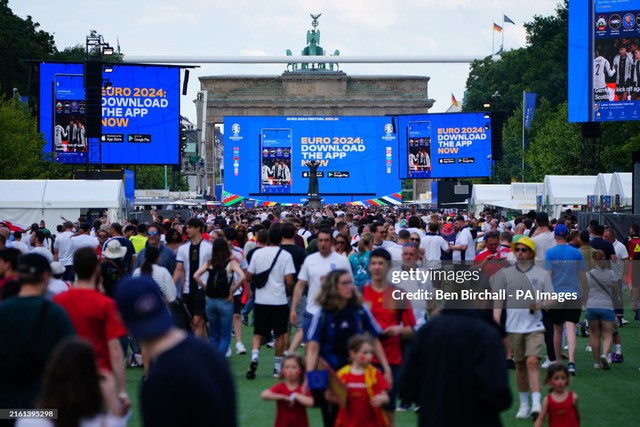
[(497, 27), (507, 20), (529, 108), (454, 101)]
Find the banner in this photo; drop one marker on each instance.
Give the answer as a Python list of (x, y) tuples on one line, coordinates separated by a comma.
[(529, 107)]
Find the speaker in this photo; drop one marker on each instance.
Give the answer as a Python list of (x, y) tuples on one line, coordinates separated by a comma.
[(591, 130), (185, 83), (93, 96), (497, 123)]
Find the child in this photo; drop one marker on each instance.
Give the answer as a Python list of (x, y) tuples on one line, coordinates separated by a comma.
[(366, 388), (561, 403), (290, 409)]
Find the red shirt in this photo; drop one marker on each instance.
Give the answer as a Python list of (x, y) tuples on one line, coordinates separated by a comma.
[(287, 415), (562, 414), (490, 267), (359, 412), (95, 318), (381, 306)]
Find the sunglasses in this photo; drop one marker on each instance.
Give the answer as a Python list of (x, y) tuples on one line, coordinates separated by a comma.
[(522, 250), (102, 236), (415, 240), (152, 233)]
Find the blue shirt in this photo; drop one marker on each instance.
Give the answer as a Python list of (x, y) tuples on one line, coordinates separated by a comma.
[(333, 330), (167, 259), (564, 262), (360, 267)]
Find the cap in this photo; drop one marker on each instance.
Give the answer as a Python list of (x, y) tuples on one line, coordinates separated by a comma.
[(32, 266), (114, 250), (524, 240), (142, 307), (561, 230), (57, 268), (447, 228)]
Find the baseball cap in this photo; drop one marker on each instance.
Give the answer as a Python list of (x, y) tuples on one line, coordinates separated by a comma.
[(31, 266), (561, 230), (447, 228), (142, 307)]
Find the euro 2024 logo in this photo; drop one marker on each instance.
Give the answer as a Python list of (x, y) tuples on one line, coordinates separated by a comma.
[(235, 129), (388, 129)]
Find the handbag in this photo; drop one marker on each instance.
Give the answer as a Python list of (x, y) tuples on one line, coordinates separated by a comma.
[(259, 280)]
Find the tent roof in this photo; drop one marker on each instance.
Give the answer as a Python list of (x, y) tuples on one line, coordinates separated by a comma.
[(569, 189), (622, 184), (526, 190), (603, 184), (481, 193), (61, 194)]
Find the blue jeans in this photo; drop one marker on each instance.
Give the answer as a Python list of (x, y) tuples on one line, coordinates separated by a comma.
[(220, 315), (248, 307)]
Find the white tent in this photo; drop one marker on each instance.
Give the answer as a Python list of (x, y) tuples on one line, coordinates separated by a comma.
[(622, 185), (569, 190), (487, 194), (603, 185), (522, 196), (29, 201)]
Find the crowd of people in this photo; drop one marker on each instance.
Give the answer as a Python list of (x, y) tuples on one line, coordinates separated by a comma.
[(174, 295)]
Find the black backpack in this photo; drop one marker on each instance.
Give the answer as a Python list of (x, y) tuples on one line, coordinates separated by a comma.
[(219, 282)]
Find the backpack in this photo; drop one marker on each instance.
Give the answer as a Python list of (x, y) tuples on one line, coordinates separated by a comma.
[(218, 282)]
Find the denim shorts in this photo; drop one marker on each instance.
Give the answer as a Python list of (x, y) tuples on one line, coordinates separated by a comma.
[(605, 314)]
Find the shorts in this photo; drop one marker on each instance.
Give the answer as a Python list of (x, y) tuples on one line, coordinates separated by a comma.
[(237, 304), (526, 345), (300, 310), (559, 316), (602, 314), (195, 301), (269, 318), (306, 324)]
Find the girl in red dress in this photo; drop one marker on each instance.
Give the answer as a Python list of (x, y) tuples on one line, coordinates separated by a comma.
[(366, 388), (561, 404), (292, 403)]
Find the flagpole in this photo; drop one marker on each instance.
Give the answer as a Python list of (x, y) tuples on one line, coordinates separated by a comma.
[(502, 33), (523, 118)]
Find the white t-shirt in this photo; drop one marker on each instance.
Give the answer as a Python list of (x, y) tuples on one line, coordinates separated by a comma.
[(622, 254), (544, 242), (431, 244), (464, 237), (519, 317), (416, 230), (44, 252), (395, 250), (83, 241), (21, 247), (163, 278), (183, 257), (63, 245), (56, 286), (313, 271), (274, 292), (238, 254)]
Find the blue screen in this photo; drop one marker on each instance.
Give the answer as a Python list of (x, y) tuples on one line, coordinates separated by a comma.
[(604, 77), (357, 156), (140, 115), (444, 145)]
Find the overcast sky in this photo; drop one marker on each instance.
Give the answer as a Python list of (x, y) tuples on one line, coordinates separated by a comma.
[(252, 27)]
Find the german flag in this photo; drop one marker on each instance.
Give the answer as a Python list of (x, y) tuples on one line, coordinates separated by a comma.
[(497, 27)]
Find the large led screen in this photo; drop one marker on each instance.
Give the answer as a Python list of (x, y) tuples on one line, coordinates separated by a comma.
[(140, 114), (266, 157)]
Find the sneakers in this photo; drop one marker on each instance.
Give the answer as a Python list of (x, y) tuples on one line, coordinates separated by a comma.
[(572, 369), (596, 365), (276, 373), (228, 353), (523, 413), (240, 349), (623, 321), (546, 363), (535, 411), (135, 360), (588, 349), (605, 362), (251, 372)]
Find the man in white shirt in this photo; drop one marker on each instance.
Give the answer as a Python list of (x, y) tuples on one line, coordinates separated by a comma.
[(464, 249), (431, 245), (18, 243), (620, 267), (271, 305), (314, 269), (37, 243), (63, 252), (543, 237), (524, 326), (82, 239), (379, 235)]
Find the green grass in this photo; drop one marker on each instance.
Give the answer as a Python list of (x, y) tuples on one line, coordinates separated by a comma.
[(605, 397)]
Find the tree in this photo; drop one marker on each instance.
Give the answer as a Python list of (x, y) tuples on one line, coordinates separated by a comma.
[(21, 145), (21, 40)]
